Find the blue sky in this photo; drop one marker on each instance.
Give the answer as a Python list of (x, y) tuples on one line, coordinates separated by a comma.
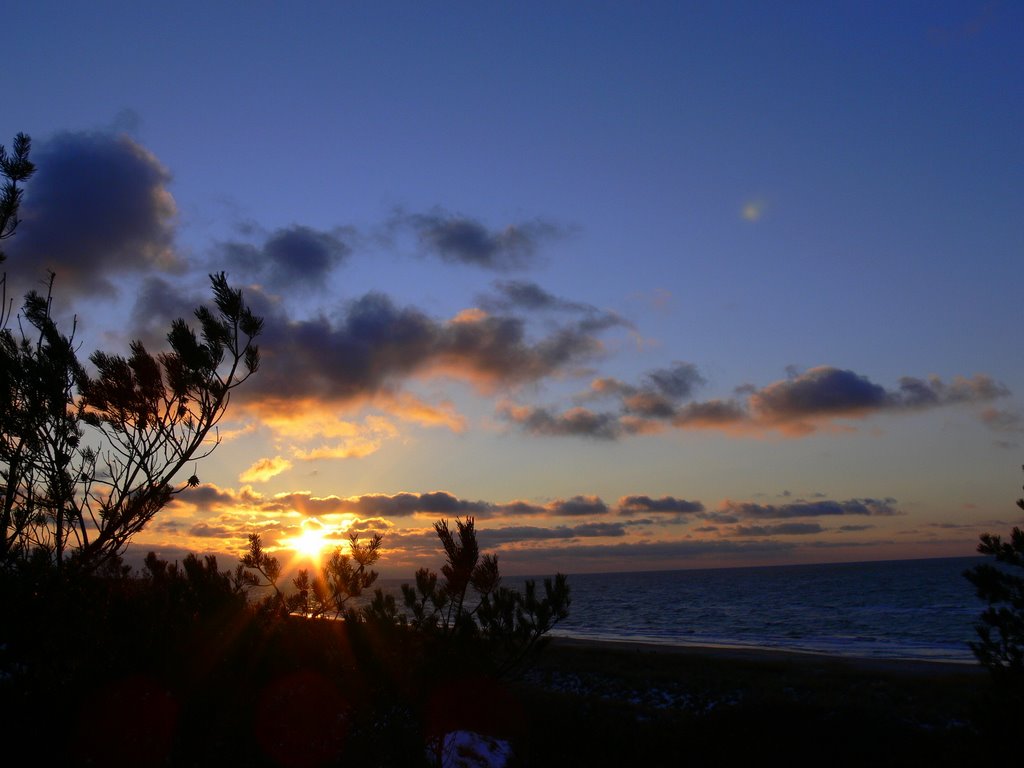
[(709, 257)]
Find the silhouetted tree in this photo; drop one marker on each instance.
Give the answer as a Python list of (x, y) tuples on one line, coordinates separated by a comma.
[(510, 623), (342, 577), (1000, 645), (195, 589), (86, 460), (16, 168)]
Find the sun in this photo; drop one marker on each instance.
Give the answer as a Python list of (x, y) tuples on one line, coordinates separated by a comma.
[(310, 543)]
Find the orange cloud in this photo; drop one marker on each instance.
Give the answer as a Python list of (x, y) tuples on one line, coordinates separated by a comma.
[(264, 469), (357, 448), (411, 408)]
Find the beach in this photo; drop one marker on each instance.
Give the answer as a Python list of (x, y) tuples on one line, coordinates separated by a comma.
[(620, 703)]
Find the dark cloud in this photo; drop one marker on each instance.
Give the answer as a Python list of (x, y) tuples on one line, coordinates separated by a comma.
[(209, 496), (578, 505), (492, 537), (157, 303), (782, 529), (203, 530), (576, 422), (526, 295), (657, 397), (375, 345), (798, 405), (710, 414), (387, 506), (380, 506), (649, 405), (677, 382), (462, 240), (97, 209), (599, 529), (521, 508), (820, 391), (294, 256), (636, 505), (825, 392), (866, 507)]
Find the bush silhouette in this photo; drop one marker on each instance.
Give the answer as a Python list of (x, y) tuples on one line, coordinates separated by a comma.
[(1000, 645)]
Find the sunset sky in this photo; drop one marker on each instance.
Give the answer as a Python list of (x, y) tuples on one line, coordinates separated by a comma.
[(639, 285)]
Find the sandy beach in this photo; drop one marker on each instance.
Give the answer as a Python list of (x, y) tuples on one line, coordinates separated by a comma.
[(609, 702)]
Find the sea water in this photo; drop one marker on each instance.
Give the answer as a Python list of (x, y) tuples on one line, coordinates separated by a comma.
[(908, 609)]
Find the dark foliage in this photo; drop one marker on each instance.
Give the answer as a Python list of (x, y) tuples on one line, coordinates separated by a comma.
[(16, 168), (1000, 645), (470, 605), (88, 460)]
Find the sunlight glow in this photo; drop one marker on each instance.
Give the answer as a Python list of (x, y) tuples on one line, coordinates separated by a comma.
[(310, 543)]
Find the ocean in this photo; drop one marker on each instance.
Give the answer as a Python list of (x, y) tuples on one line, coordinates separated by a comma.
[(906, 609)]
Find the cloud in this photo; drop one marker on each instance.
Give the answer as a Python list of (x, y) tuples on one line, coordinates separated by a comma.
[(295, 256), (578, 505), (526, 295), (782, 529), (205, 531), (677, 382), (307, 431), (157, 303), (866, 507), (213, 500), (658, 394), (462, 240), (576, 422), (410, 408), (98, 208), (637, 505), (264, 470), (822, 391), (211, 497), (799, 405), (825, 393), (357, 448), (710, 414), (446, 504), (375, 345), (406, 504), (492, 537), (1003, 420)]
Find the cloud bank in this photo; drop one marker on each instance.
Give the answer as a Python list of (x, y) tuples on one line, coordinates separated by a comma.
[(800, 405)]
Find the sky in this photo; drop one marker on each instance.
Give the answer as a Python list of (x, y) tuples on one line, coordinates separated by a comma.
[(637, 285)]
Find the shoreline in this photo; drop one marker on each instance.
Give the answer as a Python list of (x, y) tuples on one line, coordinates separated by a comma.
[(768, 656)]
